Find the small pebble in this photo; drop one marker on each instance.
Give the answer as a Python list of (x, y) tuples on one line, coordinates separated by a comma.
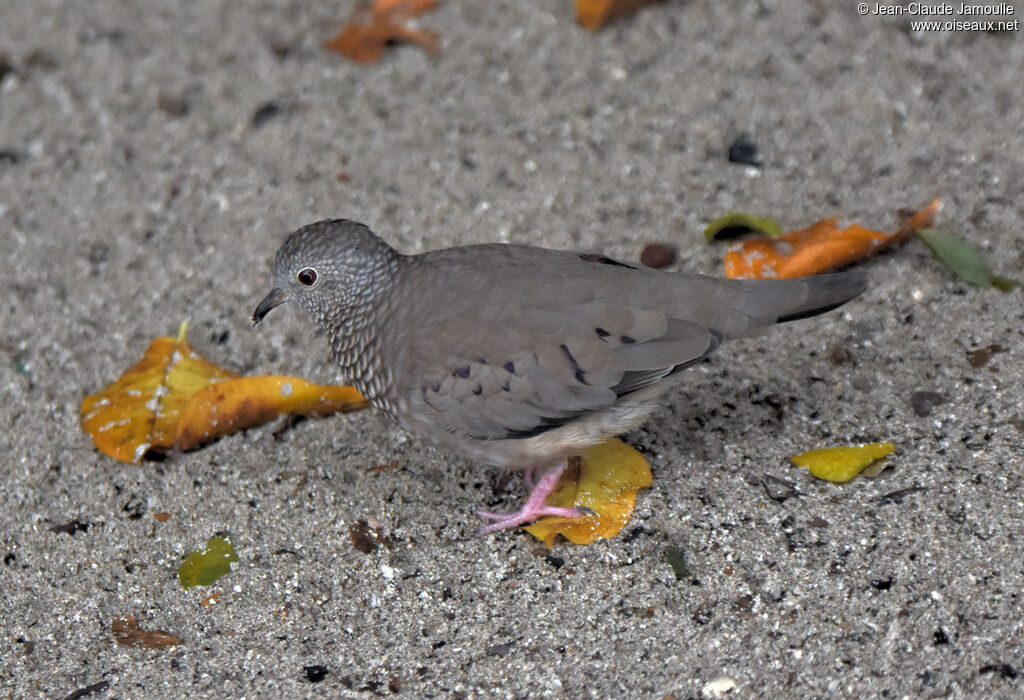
[(744, 151), (924, 402), (658, 255), (172, 105)]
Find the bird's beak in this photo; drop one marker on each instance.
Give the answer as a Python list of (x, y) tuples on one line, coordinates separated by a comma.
[(276, 297)]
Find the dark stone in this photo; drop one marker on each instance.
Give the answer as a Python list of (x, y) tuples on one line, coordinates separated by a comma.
[(924, 402), (745, 152), (315, 673)]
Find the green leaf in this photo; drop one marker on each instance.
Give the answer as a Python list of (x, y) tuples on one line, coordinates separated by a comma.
[(737, 223), (202, 568), (676, 558), (962, 259)]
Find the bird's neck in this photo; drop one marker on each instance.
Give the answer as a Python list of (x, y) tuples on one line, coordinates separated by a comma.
[(353, 337)]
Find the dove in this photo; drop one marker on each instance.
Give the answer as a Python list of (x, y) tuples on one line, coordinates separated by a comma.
[(519, 356)]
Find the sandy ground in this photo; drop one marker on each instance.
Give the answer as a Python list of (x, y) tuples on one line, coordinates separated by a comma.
[(138, 188)]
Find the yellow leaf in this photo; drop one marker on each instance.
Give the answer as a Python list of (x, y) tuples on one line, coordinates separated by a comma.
[(175, 398), (140, 410), (242, 403), (841, 464), (605, 481)]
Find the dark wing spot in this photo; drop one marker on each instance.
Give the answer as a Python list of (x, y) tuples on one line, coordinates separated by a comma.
[(594, 257), (436, 388), (510, 368), (545, 425), (478, 390), (462, 372), (808, 313), (602, 333), (627, 339), (505, 386), (577, 370)]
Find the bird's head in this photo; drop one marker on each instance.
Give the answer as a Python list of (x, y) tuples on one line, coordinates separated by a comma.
[(330, 268)]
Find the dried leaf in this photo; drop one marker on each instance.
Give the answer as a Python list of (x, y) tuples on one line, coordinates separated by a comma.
[(126, 633), (175, 398), (961, 258), (604, 486), (370, 29), (841, 464), (203, 567), (818, 248), (737, 223), (981, 356), (594, 14), (808, 251), (366, 538)]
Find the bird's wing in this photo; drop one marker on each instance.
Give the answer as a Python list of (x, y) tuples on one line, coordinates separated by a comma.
[(543, 338)]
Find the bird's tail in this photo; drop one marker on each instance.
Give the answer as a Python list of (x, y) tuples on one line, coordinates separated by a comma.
[(767, 302)]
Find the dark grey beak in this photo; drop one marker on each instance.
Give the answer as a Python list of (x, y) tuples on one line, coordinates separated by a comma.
[(276, 297)]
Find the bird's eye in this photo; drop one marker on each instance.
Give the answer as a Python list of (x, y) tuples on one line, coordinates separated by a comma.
[(306, 276)]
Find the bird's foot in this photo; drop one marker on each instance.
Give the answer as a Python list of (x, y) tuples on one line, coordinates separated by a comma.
[(533, 508)]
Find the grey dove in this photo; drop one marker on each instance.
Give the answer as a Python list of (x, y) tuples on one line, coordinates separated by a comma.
[(520, 356)]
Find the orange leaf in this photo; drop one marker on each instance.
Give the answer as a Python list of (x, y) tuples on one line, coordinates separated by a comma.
[(594, 14), (404, 8), (370, 29), (604, 481), (175, 398), (818, 248)]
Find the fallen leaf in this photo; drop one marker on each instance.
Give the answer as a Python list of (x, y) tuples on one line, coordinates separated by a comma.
[(676, 558), (594, 14), (174, 398), (737, 223), (808, 251), (371, 28), (981, 356), (366, 538), (126, 633), (961, 258), (203, 567), (841, 464), (249, 401), (817, 248), (603, 484)]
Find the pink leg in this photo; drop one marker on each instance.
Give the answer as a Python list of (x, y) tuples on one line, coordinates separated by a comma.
[(533, 508)]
